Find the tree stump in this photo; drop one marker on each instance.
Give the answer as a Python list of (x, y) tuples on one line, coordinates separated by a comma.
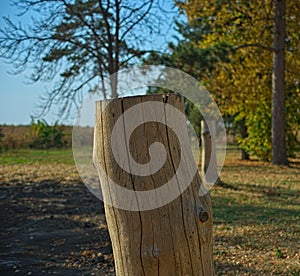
[(175, 238), (209, 165)]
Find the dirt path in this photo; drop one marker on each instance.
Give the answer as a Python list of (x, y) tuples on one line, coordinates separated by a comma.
[(51, 224)]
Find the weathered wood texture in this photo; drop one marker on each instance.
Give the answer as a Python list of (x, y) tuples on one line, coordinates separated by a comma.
[(175, 239), (209, 155)]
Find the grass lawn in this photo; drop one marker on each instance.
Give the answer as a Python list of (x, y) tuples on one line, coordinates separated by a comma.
[(33, 156), (256, 218), (256, 211)]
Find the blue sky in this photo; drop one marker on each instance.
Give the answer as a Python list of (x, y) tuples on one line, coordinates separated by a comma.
[(18, 98)]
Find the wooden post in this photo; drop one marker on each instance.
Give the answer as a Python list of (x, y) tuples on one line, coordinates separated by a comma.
[(209, 156), (174, 239)]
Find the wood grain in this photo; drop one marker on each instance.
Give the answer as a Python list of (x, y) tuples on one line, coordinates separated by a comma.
[(172, 239)]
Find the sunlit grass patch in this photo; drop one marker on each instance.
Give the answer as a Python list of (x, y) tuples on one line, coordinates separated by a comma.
[(32, 156)]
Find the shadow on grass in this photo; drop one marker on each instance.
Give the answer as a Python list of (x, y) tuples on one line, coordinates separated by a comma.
[(227, 210)]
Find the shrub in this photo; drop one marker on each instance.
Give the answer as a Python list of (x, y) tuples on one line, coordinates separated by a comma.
[(46, 136)]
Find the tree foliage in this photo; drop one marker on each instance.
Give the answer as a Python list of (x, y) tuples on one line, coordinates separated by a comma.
[(46, 136), (192, 60), (242, 87)]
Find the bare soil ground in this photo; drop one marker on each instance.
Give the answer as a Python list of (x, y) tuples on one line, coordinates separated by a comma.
[(51, 224)]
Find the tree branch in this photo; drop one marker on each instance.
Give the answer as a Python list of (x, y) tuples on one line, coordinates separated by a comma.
[(257, 45)]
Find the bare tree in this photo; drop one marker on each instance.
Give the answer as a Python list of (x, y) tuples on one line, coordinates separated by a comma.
[(77, 44)]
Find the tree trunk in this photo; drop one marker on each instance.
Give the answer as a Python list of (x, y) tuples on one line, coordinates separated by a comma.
[(175, 238), (244, 134), (279, 156)]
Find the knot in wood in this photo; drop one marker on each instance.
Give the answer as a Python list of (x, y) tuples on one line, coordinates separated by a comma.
[(203, 216)]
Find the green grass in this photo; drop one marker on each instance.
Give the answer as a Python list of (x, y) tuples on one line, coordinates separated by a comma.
[(32, 156)]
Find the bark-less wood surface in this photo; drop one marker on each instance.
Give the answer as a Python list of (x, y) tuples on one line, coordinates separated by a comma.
[(209, 166), (175, 239)]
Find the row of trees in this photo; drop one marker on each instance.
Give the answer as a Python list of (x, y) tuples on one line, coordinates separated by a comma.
[(240, 50)]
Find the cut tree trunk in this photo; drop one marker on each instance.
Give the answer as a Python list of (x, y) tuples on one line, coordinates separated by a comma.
[(174, 239), (209, 155)]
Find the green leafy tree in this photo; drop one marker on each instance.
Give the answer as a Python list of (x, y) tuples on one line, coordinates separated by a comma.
[(243, 86)]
